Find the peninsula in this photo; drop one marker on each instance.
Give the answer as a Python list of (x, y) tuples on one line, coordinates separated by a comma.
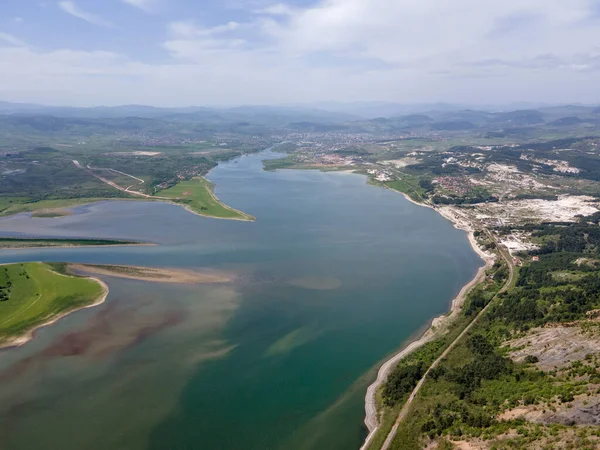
[(33, 295), (16, 243)]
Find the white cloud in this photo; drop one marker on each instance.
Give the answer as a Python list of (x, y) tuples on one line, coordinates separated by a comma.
[(398, 32), (278, 9), (395, 50), (71, 8), (189, 41), (145, 5), (11, 40), (188, 29)]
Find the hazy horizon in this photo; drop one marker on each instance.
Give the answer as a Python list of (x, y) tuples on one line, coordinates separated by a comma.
[(311, 105)]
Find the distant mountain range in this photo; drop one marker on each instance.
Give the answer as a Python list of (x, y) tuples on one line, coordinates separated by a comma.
[(323, 117)]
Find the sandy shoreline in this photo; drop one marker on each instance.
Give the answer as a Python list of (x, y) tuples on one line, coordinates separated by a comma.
[(154, 274), (371, 413), (30, 334)]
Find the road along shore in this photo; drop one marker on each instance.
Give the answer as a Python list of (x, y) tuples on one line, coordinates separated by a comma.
[(438, 324)]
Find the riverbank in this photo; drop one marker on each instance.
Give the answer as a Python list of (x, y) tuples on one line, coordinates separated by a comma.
[(29, 315), (438, 326)]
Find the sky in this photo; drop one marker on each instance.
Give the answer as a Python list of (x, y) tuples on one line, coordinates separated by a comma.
[(233, 52)]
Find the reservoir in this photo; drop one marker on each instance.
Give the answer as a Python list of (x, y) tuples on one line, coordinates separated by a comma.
[(333, 276)]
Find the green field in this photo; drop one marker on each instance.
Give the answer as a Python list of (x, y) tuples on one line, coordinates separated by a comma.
[(281, 163), (197, 194), (33, 293)]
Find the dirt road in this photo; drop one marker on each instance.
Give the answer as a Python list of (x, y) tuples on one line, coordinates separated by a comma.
[(128, 190)]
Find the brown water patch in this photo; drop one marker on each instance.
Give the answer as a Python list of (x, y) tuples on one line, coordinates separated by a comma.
[(104, 335), (51, 213)]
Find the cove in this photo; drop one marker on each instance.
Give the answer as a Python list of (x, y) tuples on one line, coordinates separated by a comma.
[(333, 276)]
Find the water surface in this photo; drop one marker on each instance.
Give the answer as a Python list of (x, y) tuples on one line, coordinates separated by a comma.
[(334, 276)]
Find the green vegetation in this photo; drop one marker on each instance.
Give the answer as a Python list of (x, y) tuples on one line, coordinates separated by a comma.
[(474, 196), (36, 242), (197, 194), (464, 396), (409, 370), (159, 171), (19, 205), (44, 181), (408, 184), (54, 162), (280, 163), (403, 380), (47, 174), (33, 293)]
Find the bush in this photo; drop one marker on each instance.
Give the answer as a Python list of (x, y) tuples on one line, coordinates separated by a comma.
[(531, 359), (401, 382)]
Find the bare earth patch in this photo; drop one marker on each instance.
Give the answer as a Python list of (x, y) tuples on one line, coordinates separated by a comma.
[(518, 242), (139, 153), (464, 445), (555, 347), (583, 410), (587, 262), (564, 439), (403, 162), (565, 209)]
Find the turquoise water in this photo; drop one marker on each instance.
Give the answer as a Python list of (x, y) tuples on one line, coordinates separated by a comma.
[(334, 276)]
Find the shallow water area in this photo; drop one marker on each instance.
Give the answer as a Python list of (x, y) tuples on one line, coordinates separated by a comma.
[(332, 277)]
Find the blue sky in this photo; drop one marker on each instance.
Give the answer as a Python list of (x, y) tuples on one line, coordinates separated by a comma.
[(228, 52)]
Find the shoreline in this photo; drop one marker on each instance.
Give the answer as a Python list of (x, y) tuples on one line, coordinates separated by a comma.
[(371, 413), (140, 199), (190, 210), (29, 335)]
